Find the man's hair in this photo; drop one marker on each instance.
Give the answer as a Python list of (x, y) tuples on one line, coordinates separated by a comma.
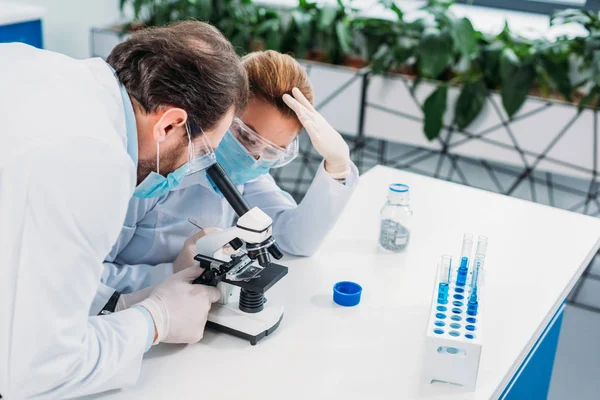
[(272, 74), (189, 65)]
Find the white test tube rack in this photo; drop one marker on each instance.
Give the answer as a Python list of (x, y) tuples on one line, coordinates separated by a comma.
[(454, 338)]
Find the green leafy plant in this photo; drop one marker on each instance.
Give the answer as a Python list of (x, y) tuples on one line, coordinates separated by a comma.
[(162, 12), (435, 46), (584, 49), (238, 20), (445, 48), (332, 32), (298, 34)]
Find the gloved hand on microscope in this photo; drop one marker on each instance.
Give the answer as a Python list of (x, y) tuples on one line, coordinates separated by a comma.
[(179, 310)]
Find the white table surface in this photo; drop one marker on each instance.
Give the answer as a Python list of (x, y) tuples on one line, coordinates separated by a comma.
[(12, 13), (373, 351)]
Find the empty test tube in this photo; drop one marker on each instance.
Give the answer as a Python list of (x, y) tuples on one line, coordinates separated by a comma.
[(465, 254), (480, 252), (481, 245), (444, 274)]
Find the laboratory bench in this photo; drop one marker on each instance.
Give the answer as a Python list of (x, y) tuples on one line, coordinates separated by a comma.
[(374, 350)]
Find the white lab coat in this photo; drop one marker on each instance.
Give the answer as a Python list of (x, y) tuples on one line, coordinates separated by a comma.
[(65, 182), (155, 229)]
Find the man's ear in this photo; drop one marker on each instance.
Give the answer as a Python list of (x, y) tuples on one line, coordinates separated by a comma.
[(171, 119)]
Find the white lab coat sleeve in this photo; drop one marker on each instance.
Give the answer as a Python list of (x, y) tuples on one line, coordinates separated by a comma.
[(300, 229), (68, 201)]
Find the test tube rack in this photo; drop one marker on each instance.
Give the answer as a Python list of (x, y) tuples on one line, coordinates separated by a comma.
[(454, 338)]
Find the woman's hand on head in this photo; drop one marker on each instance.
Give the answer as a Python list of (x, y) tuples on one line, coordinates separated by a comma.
[(326, 140)]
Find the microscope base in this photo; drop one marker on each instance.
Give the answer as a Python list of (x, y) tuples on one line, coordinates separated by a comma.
[(230, 319)]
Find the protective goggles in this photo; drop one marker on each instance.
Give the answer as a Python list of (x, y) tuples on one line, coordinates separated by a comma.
[(267, 154), (200, 152)]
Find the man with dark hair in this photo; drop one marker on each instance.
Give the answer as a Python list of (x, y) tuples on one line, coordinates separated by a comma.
[(79, 137)]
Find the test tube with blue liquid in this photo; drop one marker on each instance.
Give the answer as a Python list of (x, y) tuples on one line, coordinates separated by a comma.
[(473, 303), (444, 276), (465, 254)]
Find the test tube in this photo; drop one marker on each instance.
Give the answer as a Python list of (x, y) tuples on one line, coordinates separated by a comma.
[(467, 245), (473, 303), (444, 274), (465, 254), (480, 252), (482, 242)]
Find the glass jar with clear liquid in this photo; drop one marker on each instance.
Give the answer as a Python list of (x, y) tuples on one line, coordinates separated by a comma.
[(396, 218)]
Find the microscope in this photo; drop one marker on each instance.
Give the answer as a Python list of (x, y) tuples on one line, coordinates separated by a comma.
[(242, 278)]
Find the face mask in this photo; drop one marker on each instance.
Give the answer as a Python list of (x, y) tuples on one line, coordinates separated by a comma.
[(237, 162), (156, 185), (199, 159)]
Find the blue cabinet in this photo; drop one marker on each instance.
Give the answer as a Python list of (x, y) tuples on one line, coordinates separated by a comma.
[(29, 32)]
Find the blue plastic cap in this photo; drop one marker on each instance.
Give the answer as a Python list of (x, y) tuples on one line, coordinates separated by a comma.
[(347, 294), (399, 187)]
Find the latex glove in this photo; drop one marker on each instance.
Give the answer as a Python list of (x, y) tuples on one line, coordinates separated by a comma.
[(127, 300), (185, 258), (326, 140), (180, 309)]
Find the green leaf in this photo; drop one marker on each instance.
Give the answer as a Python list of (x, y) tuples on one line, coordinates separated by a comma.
[(328, 15), (434, 108), (470, 103), (382, 60), (204, 10), (558, 73), (397, 11), (517, 79), (595, 66), (571, 16), (239, 42), (122, 4), (490, 63), (392, 6), (464, 37), (435, 52), (344, 36), (506, 35), (137, 8), (402, 54), (273, 41)]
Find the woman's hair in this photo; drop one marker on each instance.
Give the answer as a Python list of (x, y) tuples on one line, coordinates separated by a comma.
[(272, 74)]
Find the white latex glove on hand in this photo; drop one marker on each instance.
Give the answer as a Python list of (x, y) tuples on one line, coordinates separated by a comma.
[(326, 140), (127, 300), (180, 309), (185, 259)]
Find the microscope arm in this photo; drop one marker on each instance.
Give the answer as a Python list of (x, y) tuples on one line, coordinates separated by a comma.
[(236, 200)]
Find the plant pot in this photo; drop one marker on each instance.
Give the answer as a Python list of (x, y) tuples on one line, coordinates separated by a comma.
[(546, 135)]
